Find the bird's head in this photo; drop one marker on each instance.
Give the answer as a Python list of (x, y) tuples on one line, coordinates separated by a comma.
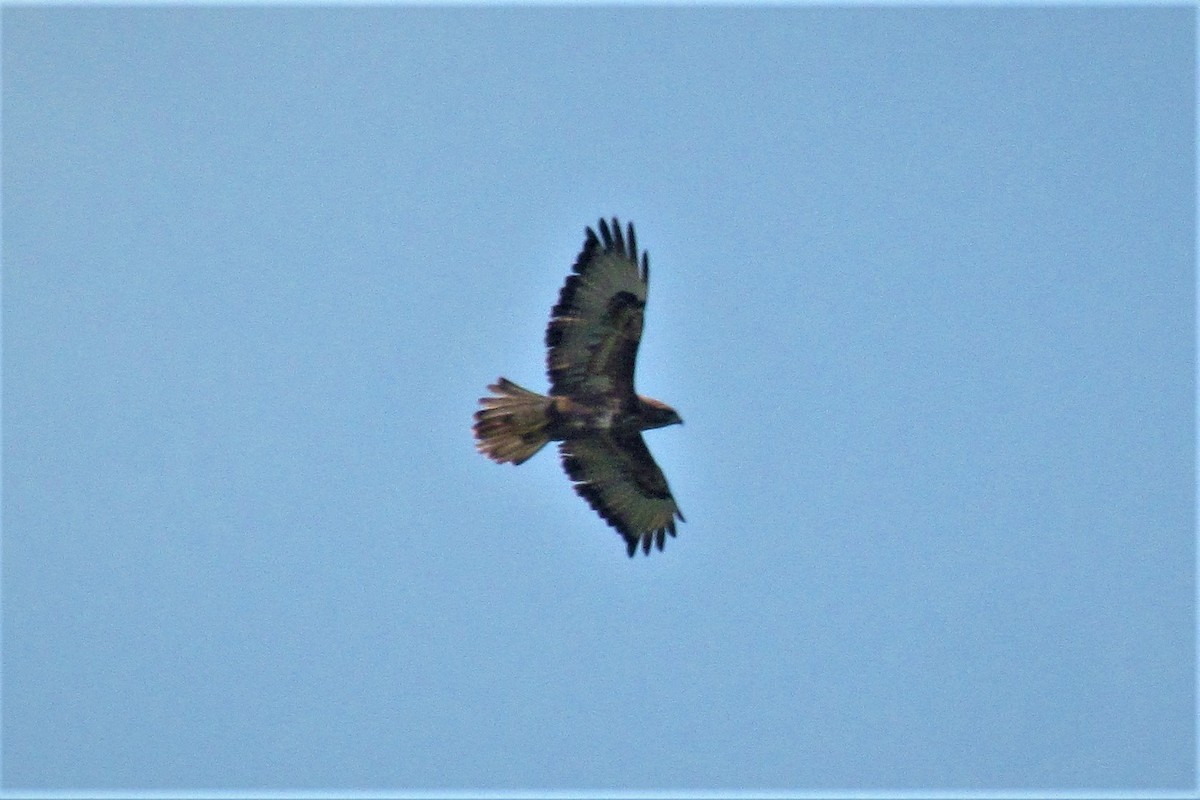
[(656, 414)]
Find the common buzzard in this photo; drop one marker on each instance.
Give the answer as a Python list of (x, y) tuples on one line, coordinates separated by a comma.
[(592, 410)]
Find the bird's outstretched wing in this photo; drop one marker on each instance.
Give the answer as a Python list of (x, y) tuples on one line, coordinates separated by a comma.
[(595, 328), (618, 477)]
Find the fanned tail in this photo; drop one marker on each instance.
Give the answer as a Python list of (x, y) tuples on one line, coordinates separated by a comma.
[(512, 425)]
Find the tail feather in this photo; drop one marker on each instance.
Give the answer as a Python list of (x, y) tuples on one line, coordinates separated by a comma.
[(512, 425)]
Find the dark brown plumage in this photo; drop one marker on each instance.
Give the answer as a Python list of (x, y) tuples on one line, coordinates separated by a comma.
[(592, 409)]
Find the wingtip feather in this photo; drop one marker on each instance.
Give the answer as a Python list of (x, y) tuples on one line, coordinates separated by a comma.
[(605, 233)]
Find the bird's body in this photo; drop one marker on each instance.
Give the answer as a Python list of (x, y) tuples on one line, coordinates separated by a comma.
[(576, 417), (592, 409)]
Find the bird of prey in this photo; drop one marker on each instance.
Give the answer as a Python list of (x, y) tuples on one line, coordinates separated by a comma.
[(592, 410)]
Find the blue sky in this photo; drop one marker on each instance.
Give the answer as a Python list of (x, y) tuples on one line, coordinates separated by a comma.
[(923, 290)]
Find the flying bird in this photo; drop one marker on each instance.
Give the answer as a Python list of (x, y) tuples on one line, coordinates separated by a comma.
[(592, 410)]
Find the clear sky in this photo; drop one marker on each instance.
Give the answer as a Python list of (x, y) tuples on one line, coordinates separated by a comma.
[(923, 289)]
